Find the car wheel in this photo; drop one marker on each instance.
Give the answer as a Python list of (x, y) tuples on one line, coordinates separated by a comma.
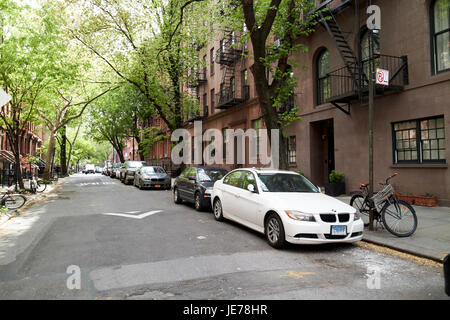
[(274, 231), (198, 202), (176, 196), (217, 210)]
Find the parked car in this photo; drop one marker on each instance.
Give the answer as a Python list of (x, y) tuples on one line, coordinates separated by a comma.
[(152, 177), (128, 169), (115, 170), (90, 168), (194, 185), (285, 206)]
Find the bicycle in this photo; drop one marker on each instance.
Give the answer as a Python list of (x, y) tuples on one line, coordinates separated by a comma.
[(397, 216), (40, 185), (12, 201)]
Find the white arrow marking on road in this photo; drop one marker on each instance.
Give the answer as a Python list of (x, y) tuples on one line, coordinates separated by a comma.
[(4, 97), (139, 216)]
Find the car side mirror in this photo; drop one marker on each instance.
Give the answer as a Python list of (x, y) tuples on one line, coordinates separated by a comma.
[(251, 188)]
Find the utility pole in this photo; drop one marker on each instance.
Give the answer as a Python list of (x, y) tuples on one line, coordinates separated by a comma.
[(371, 115)]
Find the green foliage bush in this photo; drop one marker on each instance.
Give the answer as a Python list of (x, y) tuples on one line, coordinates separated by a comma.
[(336, 176)]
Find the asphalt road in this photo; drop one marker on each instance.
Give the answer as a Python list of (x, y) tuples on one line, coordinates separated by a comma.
[(133, 244)]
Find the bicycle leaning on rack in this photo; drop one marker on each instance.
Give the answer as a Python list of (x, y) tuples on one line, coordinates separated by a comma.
[(37, 185), (12, 201), (397, 216)]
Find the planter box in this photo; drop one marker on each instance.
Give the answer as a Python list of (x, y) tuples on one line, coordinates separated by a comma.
[(407, 198), (335, 189), (425, 201)]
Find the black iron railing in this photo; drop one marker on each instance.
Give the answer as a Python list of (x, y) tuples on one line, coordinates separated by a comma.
[(348, 81), (288, 105), (199, 78), (228, 54), (229, 96)]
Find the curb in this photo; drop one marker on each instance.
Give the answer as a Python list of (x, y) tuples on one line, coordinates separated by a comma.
[(13, 214), (413, 253)]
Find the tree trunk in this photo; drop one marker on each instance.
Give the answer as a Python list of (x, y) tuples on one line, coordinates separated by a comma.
[(49, 156), (18, 168), (270, 115), (63, 153)]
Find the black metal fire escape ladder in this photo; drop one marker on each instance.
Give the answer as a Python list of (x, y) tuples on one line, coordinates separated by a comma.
[(345, 51), (227, 56)]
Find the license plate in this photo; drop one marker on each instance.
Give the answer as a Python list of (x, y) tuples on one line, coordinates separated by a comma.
[(338, 230), (157, 185)]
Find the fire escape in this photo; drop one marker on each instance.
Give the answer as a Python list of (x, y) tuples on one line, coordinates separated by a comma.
[(227, 56), (350, 82), (197, 80)]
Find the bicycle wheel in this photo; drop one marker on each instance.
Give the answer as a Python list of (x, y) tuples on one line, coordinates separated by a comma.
[(399, 218), (14, 201), (41, 186), (362, 206)]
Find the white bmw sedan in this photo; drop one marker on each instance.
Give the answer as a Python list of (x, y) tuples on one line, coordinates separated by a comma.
[(285, 206)]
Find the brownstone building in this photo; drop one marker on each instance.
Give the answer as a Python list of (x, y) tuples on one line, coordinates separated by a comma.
[(412, 114)]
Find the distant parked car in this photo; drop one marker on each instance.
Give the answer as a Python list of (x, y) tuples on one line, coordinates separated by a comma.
[(284, 206), (152, 177), (115, 170), (128, 170), (90, 168), (195, 184)]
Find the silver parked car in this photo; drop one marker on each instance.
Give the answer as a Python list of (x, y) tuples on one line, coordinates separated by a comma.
[(128, 169), (152, 177)]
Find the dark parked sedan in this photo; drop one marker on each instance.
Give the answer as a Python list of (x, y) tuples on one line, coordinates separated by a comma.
[(152, 177), (195, 184)]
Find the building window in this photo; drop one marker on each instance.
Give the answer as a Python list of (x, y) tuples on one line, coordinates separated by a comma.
[(440, 26), (419, 141), (211, 62), (233, 86), (257, 125), (212, 101), (323, 80), (292, 150), (369, 48)]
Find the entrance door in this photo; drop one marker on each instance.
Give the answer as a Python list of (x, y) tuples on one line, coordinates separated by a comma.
[(322, 151)]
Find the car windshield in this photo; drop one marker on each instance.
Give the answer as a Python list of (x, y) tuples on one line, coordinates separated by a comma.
[(149, 170), (135, 164), (210, 174), (285, 182)]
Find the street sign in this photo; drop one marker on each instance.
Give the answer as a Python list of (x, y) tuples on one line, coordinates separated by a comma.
[(4, 97), (383, 77)]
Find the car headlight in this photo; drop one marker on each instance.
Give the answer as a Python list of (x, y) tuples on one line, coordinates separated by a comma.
[(357, 216), (300, 216), (208, 191)]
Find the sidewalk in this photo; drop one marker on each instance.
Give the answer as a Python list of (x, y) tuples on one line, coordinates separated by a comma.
[(31, 198), (431, 239)]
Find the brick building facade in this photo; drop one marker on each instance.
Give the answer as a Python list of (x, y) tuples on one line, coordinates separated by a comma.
[(412, 114)]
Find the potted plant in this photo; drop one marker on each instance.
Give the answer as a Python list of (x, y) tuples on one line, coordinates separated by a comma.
[(336, 187), (428, 200), (408, 198), (300, 172)]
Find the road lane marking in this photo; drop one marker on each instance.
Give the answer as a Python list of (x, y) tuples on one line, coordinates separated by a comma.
[(296, 274), (139, 216)]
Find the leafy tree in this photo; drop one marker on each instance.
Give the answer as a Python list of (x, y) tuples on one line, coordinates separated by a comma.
[(63, 111), (266, 21), (32, 57), (150, 50)]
